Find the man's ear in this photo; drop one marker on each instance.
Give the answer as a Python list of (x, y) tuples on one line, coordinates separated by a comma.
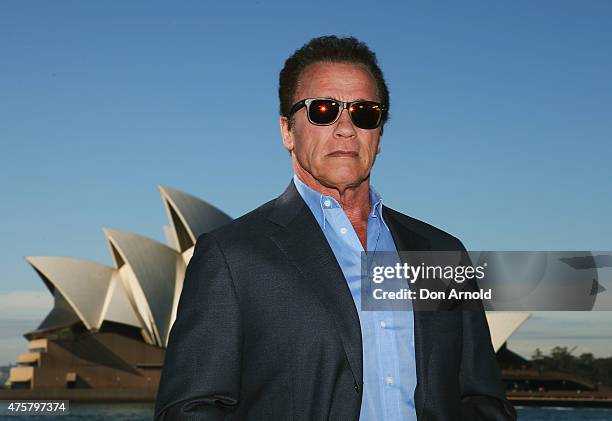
[(286, 133)]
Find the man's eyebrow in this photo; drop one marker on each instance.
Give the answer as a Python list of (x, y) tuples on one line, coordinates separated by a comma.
[(365, 99)]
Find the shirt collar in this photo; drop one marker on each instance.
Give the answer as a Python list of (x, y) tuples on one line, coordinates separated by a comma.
[(319, 203)]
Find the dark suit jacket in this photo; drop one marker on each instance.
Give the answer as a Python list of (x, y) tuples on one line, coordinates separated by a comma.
[(267, 329)]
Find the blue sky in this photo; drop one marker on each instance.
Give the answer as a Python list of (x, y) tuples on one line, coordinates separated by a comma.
[(500, 130)]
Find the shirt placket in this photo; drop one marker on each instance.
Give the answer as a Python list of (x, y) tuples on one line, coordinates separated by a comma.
[(385, 339)]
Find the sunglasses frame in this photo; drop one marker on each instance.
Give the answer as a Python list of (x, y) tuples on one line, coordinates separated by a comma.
[(345, 105)]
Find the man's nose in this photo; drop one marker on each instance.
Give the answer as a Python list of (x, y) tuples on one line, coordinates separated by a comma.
[(344, 126)]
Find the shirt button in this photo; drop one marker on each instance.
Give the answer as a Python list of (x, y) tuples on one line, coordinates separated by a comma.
[(383, 324), (327, 203), (356, 387), (389, 380), (343, 230)]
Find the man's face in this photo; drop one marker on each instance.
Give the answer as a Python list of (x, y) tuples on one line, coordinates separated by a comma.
[(340, 155)]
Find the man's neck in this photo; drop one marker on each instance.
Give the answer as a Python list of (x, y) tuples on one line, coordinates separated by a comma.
[(354, 199)]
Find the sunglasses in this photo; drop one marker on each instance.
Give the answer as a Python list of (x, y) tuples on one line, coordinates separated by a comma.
[(326, 111)]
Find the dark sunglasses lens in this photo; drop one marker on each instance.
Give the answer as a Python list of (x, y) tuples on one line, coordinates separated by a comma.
[(323, 111), (366, 114)]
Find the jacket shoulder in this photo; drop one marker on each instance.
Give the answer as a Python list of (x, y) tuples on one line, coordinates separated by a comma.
[(438, 238), (250, 225)]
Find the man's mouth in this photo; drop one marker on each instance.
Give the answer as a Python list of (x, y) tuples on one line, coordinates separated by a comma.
[(343, 153)]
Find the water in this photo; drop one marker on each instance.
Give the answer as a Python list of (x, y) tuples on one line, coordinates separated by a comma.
[(144, 412), (564, 414)]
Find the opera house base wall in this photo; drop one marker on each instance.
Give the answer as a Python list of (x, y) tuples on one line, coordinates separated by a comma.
[(106, 363)]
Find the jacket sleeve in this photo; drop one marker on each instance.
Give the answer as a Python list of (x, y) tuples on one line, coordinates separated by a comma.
[(483, 397), (201, 374)]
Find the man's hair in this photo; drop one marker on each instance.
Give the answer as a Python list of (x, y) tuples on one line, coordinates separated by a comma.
[(331, 49)]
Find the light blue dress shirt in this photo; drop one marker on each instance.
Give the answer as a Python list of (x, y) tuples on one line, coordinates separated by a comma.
[(389, 368)]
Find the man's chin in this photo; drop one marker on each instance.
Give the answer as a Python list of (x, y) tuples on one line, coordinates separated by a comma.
[(341, 181)]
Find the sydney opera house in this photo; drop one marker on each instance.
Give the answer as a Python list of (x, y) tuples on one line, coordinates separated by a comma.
[(109, 325)]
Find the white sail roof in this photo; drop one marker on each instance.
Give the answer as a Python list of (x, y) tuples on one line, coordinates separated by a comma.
[(91, 289), (149, 272), (117, 307), (83, 284), (502, 324), (190, 216)]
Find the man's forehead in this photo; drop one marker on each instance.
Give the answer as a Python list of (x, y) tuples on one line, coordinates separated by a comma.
[(345, 81)]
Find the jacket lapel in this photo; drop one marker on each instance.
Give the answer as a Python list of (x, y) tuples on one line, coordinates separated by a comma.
[(306, 247), (407, 239)]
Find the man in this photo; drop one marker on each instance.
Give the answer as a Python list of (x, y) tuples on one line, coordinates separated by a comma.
[(269, 325)]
